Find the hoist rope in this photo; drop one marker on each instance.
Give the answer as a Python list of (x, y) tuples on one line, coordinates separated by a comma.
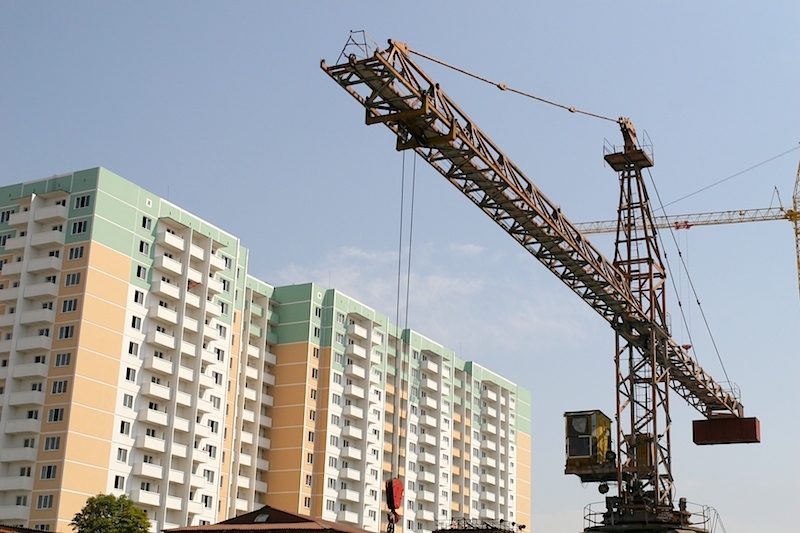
[(504, 87), (691, 289)]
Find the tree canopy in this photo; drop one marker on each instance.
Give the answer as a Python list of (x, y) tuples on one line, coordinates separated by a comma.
[(106, 513)]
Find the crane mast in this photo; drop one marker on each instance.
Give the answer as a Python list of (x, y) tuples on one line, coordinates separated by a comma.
[(628, 292)]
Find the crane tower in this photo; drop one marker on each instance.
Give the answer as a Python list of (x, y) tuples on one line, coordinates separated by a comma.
[(628, 292)]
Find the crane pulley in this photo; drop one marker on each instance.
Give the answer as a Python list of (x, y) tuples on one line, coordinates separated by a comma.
[(628, 292)]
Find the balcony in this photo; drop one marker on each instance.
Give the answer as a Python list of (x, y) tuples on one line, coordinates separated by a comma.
[(14, 512), (192, 300), (153, 444), (30, 397), (488, 496), (13, 269), (160, 338), (213, 309), (215, 262), (203, 406), (153, 417), (245, 459), (347, 517), (214, 286), (16, 243), (429, 384), (159, 365), (145, 497), (168, 265), (194, 276), (353, 411), (185, 373), (242, 482), (246, 437), (8, 295), (178, 450), (354, 330), (355, 391), (29, 370), (489, 445), (13, 455), (488, 394), (376, 337), (355, 371), (36, 317), (207, 382), (148, 470), (180, 424), (44, 265), (16, 483), (426, 515), (174, 503), (165, 288), (489, 428), (490, 462), (426, 457), (262, 465), (40, 291), (183, 398), (428, 420), (430, 366), (427, 438), (489, 411), (488, 479), (190, 324), (265, 421), (353, 432), (156, 390), (425, 496), (356, 351), (427, 477), (170, 240), (187, 348), (242, 505), (51, 213), (23, 425), (269, 379), (270, 358), (429, 402), (349, 495), (177, 476), (163, 314), (351, 452), (350, 473), (195, 507), (46, 239), (268, 400), (197, 252), (34, 343), (261, 486)]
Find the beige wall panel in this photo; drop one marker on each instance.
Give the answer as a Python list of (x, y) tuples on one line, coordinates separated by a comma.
[(110, 261), (287, 481), (68, 264), (85, 478), (92, 422), (292, 353), (285, 502), (90, 392), (289, 458), (104, 313), (294, 415), (291, 395), (286, 438), (91, 450), (289, 374), (102, 341)]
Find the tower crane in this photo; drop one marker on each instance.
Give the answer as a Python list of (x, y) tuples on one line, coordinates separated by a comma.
[(679, 222), (627, 292)]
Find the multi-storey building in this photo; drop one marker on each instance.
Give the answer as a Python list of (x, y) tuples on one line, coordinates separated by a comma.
[(138, 356)]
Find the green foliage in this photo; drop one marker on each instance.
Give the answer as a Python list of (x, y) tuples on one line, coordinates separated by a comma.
[(106, 513)]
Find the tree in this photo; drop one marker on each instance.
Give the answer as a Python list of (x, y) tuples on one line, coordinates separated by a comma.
[(105, 513)]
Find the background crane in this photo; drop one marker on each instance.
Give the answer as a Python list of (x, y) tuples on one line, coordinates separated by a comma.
[(718, 217), (628, 292)]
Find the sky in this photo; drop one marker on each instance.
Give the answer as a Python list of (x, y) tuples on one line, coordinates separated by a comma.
[(222, 108)]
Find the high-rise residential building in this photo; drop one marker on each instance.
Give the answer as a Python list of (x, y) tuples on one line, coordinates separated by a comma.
[(139, 357)]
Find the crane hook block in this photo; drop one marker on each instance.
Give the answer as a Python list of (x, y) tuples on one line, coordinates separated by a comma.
[(394, 494)]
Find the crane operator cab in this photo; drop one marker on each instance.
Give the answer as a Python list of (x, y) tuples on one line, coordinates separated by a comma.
[(588, 442)]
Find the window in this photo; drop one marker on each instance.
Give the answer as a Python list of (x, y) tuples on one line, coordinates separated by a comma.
[(119, 482), (214, 425), (313, 394), (222, 330), (130, 374), (80, 227), (315, 353), (66, 332), (211, 450), (55, 415), (145, 486), (59, 387), (314, 373), (138, 297), (226, 285), (72, 279), (209, 475), (224, 307), (136, 322), (52, 443), (44, 501), (127, 401), (337, 378), (144, 247), (336, 399), (62, 359), (141, 272), (316, 332), (330, 505), (25, 471), (33, 415), (68, 306), (312, 415), (207, 500), (82, 202), (75, 253), (215, 402), (310, 458), (49, 472), (335, 420), (122, 455), (29, 443), (340, 318), (44, 332), (307, 502), (340, 338), (333, 462), (125, 427), (22, 500), (220, 354), (146, 222)]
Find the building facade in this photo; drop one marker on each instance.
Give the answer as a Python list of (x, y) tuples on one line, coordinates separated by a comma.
[(139, 357)]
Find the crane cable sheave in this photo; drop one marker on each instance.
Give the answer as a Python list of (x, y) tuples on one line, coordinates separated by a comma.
[(395, 92)]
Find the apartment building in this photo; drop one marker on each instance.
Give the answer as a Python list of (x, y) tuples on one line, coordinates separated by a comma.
[(138, 356)]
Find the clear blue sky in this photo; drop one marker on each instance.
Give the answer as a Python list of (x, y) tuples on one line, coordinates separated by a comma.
[(222, 107)]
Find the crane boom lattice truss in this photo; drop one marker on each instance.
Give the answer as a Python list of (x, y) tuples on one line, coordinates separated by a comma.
[(396, 92)]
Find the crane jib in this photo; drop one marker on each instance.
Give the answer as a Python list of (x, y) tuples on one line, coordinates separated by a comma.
[(397, 93)]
